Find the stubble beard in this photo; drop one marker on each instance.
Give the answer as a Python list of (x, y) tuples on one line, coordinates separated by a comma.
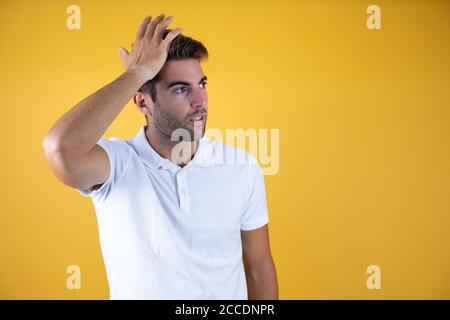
[(167, 124)]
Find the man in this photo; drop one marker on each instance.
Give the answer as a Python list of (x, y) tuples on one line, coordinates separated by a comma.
[(177, 219)]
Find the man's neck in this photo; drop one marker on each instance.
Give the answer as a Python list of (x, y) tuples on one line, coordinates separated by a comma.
[(164, 146)]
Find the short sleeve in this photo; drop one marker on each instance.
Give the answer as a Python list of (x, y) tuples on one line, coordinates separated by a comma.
[(255, 213), (118, 154)]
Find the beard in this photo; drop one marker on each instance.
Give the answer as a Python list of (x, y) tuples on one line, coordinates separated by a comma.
[(178, 129)]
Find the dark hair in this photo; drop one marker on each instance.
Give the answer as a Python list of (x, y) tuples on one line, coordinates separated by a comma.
[(180, 48)]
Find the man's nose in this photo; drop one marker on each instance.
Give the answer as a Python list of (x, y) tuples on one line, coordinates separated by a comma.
[(199, 99)]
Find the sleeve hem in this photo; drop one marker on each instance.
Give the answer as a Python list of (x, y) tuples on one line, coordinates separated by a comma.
[(255, 224), (87, 192)]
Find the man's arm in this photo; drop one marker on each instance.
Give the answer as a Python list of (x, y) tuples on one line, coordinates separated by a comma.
[(70, 146), (260, 270)]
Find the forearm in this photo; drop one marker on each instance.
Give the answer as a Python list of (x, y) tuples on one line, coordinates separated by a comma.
[(262, 283), (80, 128)]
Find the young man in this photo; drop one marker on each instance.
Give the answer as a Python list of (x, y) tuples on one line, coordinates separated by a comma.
[(177, 219)]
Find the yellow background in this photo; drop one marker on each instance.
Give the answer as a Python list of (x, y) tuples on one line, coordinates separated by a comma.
[(364, 136)]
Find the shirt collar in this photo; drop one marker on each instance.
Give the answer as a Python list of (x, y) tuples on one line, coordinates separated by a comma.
[(203, 157)]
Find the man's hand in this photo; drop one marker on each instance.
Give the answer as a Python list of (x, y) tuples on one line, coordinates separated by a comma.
[(149, 52)]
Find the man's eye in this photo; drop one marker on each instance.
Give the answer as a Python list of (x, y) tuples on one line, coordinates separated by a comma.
[(177, 91), (181, 90)]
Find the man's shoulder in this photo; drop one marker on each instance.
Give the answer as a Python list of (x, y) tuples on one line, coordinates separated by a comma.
[(118, 145)]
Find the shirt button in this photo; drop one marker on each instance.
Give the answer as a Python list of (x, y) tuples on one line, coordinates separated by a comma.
[(183, 191)]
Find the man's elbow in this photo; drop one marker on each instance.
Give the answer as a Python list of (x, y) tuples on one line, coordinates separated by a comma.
[(54, 151), (59, 160), (262, 283)]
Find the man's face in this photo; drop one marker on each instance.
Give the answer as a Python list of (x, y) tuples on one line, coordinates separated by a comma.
[(181, 99)]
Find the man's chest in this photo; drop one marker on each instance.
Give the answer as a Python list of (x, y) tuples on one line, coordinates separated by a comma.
[(199, 210), (210, 196)]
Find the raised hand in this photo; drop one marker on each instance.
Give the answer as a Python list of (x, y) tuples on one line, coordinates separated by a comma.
[(149, 51)]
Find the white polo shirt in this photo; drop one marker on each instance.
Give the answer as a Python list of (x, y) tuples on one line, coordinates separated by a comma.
[(168, 232)]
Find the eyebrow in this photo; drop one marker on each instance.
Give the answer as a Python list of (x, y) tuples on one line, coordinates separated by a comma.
[(177, 82)]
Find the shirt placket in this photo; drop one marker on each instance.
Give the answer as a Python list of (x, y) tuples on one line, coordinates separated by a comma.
[(183, 194)]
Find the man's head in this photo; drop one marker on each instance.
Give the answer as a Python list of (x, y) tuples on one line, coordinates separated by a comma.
[(177, 96)]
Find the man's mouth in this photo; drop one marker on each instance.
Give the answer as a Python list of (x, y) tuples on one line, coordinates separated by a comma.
[(197, 118)]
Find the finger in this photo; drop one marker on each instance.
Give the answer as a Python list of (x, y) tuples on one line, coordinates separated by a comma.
[(159, 31), (152, 25), (141, 31), (172, 35), (123, 53)]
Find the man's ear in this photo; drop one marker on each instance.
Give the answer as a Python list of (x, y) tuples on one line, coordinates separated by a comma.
[(144, 103)]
